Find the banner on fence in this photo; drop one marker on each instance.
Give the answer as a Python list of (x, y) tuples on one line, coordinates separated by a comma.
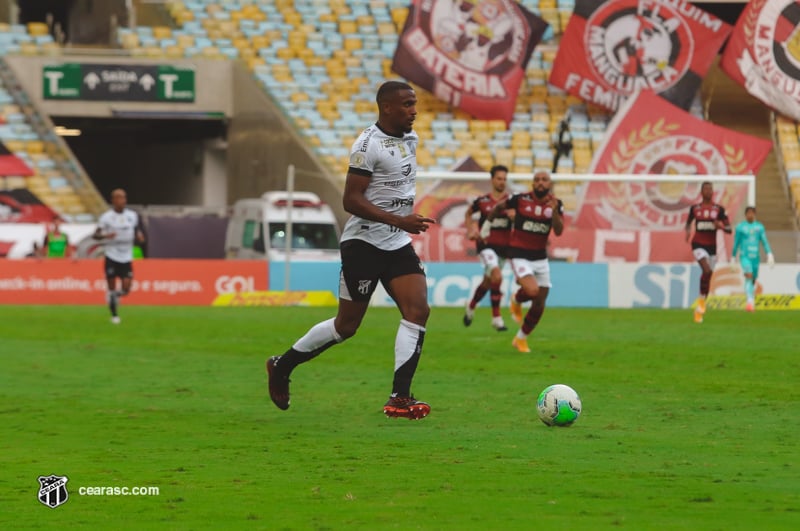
[(156, 282)]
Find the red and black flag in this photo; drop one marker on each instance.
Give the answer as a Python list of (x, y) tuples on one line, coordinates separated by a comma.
[(10, 164), (612, 49), (471, 54), (763, 53)]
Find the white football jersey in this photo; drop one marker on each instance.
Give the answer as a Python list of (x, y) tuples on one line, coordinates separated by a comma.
[(123, 225), (391, 164)]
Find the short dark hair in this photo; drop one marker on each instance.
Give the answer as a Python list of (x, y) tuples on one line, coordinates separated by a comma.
[(748, 209), (496, 168), (390, 87), (706, 183)]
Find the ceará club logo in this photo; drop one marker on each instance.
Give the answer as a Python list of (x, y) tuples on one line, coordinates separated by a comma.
[(638, 45)]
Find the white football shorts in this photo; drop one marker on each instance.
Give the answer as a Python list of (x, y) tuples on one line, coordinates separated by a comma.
[(490, 260), (540, 269), (701, 253)]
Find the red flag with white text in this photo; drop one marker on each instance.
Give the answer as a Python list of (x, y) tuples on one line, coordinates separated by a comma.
[(471, 54), (613, 48), (648, 135), (763, 54)]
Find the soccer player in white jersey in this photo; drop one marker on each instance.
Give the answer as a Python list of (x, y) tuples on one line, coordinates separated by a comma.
[(118, 229), (376, 247)]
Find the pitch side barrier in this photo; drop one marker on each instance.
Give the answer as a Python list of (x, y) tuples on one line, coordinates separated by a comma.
[(257, 283)]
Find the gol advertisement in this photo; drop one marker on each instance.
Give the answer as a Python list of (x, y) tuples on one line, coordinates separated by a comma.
[(156, 282)]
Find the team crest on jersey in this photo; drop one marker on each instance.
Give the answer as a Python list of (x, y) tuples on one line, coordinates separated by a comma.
[(646, 45), (777, 46)]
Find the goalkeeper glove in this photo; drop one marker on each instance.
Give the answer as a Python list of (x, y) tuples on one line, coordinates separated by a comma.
[(771, 259)]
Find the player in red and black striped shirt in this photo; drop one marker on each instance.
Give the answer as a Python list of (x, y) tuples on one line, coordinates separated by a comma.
[(537, 213), (491, 239), (708, 217)]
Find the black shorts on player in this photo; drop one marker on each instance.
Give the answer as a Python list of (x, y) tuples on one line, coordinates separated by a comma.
[(363, 265), (116, 269)]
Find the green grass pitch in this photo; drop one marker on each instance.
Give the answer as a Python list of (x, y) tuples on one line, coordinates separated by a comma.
[(684, 426)]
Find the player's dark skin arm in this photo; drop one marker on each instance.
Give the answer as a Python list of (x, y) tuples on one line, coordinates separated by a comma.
[(100, 235), (357, 204)]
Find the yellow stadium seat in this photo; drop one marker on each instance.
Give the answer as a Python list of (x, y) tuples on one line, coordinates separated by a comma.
[(477, 126), (496, 125), (154, 51), (386, 28), (185, 41), (285, 53), (311, 59), (209, 24), (162, 32), (28, 48), (246, 54), (462, 136), (347, 27), (504, 156), (399, 15), (211, 52), (16, 145), (173, 52), (184, 16), (130, 40), (259, 41), (38, 29), (240, 44), (254, 62)]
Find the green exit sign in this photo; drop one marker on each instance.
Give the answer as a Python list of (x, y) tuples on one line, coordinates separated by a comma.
[(120, 82)]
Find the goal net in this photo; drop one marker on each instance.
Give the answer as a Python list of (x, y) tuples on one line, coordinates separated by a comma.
[(632, 218)]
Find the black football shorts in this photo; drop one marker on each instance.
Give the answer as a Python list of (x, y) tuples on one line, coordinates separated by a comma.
[(115, 269), (363, 265)]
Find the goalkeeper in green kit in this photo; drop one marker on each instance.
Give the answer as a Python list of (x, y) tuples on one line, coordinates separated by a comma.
[(747, 237)]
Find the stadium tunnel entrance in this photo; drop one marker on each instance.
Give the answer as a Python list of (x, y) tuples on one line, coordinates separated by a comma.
[(157, 161)]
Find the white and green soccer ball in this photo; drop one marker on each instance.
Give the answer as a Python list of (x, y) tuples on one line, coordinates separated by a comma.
[(558, 405)]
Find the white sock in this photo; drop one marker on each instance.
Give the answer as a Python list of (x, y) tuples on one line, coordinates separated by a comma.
[(406, 342), (520, 334), (320, 334)]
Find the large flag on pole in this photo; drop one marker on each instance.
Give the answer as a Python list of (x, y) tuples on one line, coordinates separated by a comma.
[(612, 49), (648, 135), (471, 54), (763, 53), (10, 164)]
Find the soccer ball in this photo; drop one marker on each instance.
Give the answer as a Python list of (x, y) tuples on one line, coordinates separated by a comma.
[(558, 405)]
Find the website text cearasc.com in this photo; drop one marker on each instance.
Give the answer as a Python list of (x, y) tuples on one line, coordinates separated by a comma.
[(118, 491)]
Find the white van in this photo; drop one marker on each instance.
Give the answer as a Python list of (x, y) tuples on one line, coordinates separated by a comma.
[(257, 228)]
